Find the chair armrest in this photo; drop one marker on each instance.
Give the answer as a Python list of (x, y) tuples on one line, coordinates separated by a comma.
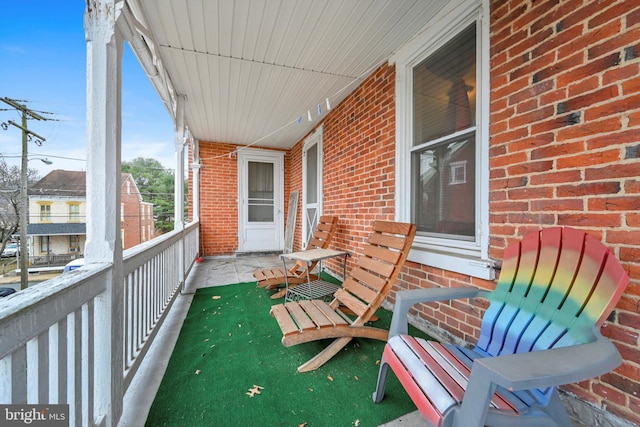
[(553, 367), (406, 299), (538, 369)]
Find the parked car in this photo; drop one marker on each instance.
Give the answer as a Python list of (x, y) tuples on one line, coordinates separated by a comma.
[(5, 292), (76, 263), (10, 251)]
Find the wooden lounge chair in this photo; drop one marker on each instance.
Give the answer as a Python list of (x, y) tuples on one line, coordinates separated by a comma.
[(275, 277), (361, 293), (541, 330)]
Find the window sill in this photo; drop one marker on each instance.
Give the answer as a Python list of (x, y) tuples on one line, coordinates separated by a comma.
[(470, 264)]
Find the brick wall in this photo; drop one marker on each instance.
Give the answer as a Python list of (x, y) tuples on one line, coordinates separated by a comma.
[(130, 198), (565, 126), (218, 199), (359, 166)]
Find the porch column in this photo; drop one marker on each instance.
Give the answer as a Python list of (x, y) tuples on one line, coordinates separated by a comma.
[(179, 175), (103, 245), (195, 184), (178, 192)]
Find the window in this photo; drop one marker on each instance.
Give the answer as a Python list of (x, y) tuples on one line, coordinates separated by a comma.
[(74, 212), (45, 211), (44, 244), (458, 174), (74, 244), (442, 109)]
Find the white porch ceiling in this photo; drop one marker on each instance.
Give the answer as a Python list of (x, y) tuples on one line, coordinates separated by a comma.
[(250, 68)]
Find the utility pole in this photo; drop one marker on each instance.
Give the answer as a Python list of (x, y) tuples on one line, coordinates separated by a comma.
[(27, 134)]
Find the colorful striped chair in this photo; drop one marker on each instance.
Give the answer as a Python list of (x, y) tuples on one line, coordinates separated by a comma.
[(541, 330)]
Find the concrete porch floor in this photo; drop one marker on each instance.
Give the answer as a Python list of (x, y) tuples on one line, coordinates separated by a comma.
[(211, 272)]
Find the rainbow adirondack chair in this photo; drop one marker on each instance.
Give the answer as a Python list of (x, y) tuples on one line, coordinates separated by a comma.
[(541, 330)]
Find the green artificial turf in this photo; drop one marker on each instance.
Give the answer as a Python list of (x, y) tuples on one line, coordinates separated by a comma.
[(229, 343)]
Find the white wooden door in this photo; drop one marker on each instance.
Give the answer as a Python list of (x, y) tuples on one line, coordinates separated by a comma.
[(311, 184), (260, 200)]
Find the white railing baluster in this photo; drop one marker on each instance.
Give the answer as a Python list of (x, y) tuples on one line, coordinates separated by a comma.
[(32, 374), (5, 379)]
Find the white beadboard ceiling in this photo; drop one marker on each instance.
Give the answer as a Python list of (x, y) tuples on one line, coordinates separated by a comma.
[(250, 68)]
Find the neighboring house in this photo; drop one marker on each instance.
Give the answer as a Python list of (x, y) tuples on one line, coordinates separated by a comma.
[(136, 216), (58, 217)]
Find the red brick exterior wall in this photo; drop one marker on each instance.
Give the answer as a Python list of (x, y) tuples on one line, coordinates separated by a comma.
[(565, 126), (359, 167), (130, 198), (564, 150), (218, 199)]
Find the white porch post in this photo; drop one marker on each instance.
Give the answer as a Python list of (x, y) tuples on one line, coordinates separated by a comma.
[(195, 184), (179, 176), (104, 68), (178, 191)]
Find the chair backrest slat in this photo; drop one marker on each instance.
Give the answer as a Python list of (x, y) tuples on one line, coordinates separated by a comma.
[(377, 269), (555, 286), (555, 276), (382, 254), (355, 288), (321, 238)]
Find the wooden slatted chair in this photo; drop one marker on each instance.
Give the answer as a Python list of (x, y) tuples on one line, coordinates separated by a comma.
[(541, 330), (275, 277), (362, 293)]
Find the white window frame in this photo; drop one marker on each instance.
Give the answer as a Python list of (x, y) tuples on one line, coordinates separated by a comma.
[(465, 257), (316, 138)]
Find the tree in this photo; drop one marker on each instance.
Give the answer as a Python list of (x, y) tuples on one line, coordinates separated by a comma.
[(10, 199), (156, 185)]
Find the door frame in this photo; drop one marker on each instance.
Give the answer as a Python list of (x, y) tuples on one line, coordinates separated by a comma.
[(316, 138), (246, 155)]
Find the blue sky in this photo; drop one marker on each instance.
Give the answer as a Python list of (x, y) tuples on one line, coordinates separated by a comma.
[(43, 61)]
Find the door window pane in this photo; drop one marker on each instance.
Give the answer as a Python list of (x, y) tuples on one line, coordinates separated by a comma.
[(261, 201)]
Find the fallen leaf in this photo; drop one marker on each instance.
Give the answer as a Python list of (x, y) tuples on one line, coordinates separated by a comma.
[(255, 390), (356, 377), (303, 425), (198, 371), (216, 297), (330, 377), (309, 388), (378, 362)]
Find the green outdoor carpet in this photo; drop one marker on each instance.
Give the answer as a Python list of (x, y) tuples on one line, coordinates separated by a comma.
[(229, 345)]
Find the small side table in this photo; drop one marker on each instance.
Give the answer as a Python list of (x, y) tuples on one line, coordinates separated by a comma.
[(317, 289)]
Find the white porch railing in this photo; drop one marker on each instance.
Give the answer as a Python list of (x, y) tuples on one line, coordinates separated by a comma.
[(48, 347), (152, 276)]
